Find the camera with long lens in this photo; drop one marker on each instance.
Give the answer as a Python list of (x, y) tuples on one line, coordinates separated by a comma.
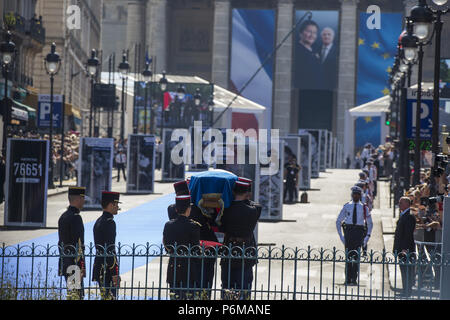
[(441, 164), (431, 200)]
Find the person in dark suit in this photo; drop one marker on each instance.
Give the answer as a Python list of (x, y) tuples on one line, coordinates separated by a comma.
[(328, 59), (181, 188), (404, 244), (106, 266), (179, 234), (71, 240), (307, 69), (237, 223)]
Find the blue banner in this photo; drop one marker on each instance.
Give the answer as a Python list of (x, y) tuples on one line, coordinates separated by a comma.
[(376, 52), (368, 129)]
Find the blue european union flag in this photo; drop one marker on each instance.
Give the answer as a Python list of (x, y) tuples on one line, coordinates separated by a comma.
[(376, 52)]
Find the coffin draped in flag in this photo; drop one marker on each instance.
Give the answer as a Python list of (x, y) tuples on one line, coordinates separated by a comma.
[(212, 189)]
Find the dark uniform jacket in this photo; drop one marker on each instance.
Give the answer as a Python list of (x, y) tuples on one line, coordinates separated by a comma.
[(181, 231), (404, 233), (71, 240), (206, 224), (105, 238), (238, 222)]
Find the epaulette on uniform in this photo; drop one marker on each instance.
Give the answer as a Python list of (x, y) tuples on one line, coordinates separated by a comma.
[(195, 222)]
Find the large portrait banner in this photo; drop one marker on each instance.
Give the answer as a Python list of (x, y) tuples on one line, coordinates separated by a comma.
[(316, 51), (95, 169), (26, 182), (170, 170), (315, 150), (141, 163)]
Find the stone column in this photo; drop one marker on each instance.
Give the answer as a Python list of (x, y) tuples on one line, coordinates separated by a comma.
[(221, 43), (157, 34), (347, 74), (281, 110), (135, 30)]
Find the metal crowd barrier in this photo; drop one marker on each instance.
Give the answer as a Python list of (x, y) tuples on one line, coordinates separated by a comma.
[(31, 272)]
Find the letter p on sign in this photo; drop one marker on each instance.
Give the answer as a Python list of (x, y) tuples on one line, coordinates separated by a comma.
[(45, 110)]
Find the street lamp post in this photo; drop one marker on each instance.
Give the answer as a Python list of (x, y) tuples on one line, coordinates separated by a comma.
[(123, 68), (92, 65), (409, 55), (421, 17), (52, 64), (163, 86), (7, 50), (147, 74), (211, 109), (197, 103)]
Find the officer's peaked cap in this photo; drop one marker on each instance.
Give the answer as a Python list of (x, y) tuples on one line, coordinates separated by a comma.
[(356, 189), (77, 191), (109, 196)]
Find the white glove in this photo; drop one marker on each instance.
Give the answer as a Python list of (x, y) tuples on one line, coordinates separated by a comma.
[(366, 239)]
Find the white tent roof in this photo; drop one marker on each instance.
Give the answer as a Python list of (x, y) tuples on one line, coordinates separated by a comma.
[(371, 109), (222, 97)]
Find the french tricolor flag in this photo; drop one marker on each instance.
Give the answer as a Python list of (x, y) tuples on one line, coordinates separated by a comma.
[(169, 96)]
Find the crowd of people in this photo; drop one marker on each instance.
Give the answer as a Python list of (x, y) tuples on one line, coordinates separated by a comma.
[(69, 157), (382, 156)]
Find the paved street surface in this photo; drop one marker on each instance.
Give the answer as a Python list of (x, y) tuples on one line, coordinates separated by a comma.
[(303, 225)]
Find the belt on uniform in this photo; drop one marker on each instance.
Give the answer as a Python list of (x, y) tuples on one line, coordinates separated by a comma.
[(354, 226)]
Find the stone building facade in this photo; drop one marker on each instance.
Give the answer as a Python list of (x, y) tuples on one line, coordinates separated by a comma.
[(74, 46), (193, 37)]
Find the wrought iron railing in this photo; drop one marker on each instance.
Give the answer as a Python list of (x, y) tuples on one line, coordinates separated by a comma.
[(31, 272)]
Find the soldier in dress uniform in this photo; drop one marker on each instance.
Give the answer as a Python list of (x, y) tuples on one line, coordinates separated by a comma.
[(354, 215), (106, 267), (71, 240), (238, 222), (181, 188), (180, 233)]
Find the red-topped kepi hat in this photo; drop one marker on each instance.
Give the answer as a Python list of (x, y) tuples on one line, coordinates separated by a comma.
[(182, 201), (241, 187), (181, 187)]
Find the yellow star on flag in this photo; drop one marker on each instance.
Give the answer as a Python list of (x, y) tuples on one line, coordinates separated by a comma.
[(389, 70), (360, 41), (375, 45), (385, 91), (368, 119), (386, 55)]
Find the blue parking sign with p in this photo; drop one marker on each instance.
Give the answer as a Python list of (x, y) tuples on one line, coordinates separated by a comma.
[(426, 120), (44, 106)]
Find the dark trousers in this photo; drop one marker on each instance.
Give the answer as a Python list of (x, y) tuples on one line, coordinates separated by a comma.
[(121, 166), (239, 279), (354, 236), (208, 276), (408, 276), (107, 286), (289, 187)]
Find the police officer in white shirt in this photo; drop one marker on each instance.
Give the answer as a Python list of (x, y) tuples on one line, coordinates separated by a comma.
[(354, 215)]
